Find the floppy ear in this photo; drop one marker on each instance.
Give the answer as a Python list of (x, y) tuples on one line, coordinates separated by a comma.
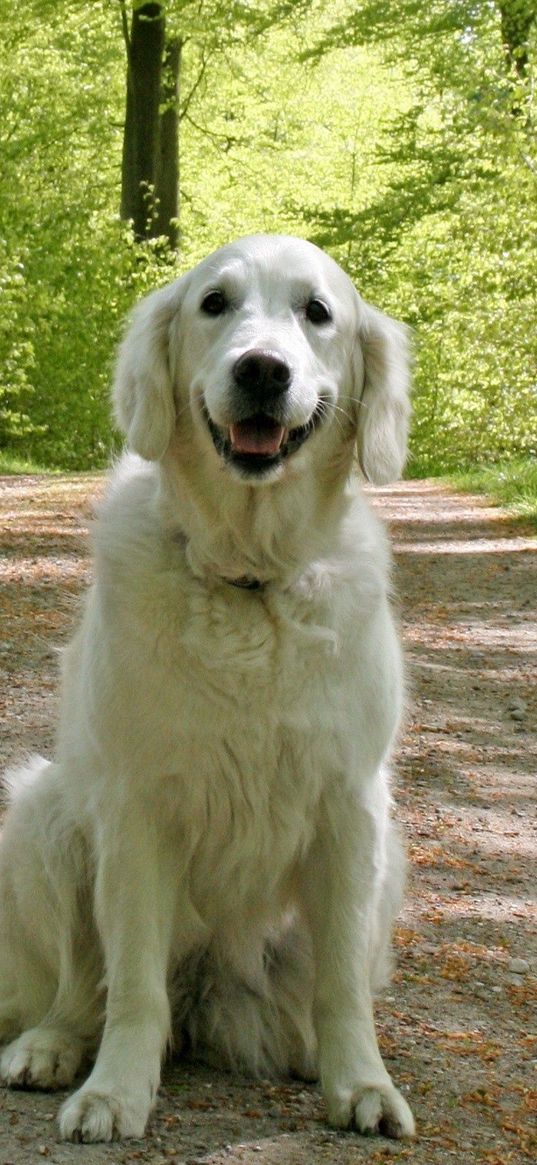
[(384, 410), (144, 405)]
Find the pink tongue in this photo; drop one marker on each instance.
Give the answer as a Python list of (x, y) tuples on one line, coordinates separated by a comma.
[(257, 435)]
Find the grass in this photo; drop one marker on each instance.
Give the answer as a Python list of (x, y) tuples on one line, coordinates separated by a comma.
[(11, 465), (512, 484)]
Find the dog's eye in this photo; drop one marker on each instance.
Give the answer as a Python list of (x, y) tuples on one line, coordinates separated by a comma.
[(317, 312), (214, 303)]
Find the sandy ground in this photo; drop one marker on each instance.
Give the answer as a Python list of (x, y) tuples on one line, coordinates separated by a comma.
[(458, 1023)]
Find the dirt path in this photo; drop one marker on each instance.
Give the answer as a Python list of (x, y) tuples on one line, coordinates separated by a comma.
[(458, 1024)]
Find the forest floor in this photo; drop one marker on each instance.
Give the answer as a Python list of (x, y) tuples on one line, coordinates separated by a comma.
[(455, 1025)]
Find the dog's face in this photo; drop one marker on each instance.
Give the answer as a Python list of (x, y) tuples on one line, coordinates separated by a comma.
[(266, 351), (268, 347)]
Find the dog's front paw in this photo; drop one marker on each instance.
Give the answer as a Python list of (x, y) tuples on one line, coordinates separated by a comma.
[(43, 1057), (380, 1109), (91, 1115)]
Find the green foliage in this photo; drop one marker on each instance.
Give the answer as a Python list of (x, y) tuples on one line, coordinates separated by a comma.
[(449, 245), (68, 269), (399, 134), (17, 332)]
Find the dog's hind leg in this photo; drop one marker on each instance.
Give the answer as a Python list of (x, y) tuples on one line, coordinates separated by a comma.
[(50, 1050), (48, 984), (26, 982), (49, 1053)]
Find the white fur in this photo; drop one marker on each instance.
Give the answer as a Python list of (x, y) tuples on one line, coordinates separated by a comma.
[(211, 855)]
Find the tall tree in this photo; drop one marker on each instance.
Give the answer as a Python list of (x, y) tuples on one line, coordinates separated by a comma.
[(155, 38), (517, 20), (166, 219), (150, 170)]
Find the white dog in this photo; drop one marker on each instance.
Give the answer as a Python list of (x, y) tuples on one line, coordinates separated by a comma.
[(210, 858)]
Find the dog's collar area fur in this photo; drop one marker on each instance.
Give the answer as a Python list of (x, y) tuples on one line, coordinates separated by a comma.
[(246, 582)]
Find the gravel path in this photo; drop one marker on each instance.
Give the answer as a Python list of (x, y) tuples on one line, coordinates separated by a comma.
[(458, 1023)]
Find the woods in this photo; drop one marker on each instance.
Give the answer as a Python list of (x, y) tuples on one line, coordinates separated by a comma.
[(397, 134)]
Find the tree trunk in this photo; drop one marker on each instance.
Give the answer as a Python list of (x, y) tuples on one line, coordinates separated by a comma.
[(167, 177), (517, 17), (142, 121)]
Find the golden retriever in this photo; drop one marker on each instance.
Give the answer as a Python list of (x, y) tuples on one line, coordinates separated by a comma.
[(210, 859)]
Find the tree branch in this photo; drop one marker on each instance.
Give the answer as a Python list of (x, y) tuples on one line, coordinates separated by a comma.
[(223, 139), (125, 29), (529, 163), (188, 99)]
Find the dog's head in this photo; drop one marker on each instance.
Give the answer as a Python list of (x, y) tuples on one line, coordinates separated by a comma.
[(267, 349)]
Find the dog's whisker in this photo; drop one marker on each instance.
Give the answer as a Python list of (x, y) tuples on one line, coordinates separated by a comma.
[(186, 408)]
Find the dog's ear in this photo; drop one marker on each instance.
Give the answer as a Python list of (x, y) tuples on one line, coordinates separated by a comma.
[(144, 405), (384, 405)]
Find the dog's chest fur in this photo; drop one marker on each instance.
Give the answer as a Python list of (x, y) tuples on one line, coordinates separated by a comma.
[(239, 742), (256, 713)]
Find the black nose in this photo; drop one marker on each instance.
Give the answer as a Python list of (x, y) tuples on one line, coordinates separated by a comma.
[(261, 372)]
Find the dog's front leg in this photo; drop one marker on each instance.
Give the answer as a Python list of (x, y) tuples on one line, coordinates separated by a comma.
[(342, 881), (134, 903)]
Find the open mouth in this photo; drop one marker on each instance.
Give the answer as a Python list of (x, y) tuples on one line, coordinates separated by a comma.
[(260, 442)]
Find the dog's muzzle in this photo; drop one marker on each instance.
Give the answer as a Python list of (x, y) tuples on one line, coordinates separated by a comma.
[(260, 438)]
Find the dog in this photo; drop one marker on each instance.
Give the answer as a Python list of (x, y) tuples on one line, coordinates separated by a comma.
[(210, 863)]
